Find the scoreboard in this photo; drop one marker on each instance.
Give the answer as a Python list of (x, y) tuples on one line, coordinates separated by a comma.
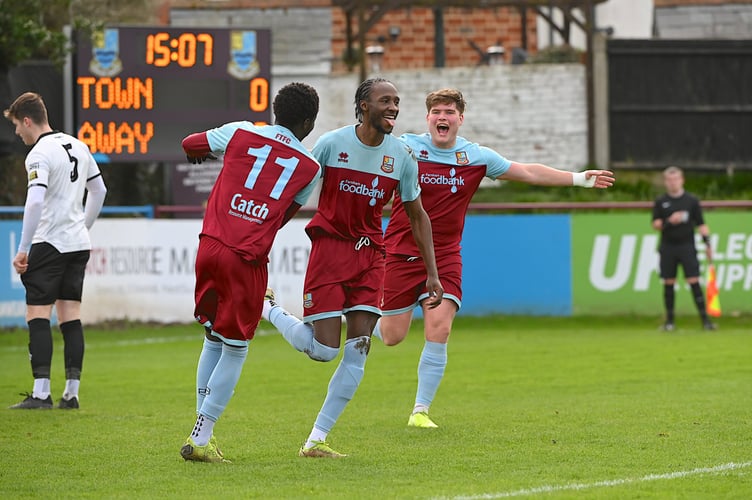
[(138, 91)]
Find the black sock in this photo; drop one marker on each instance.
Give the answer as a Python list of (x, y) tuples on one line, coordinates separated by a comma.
[(668, 302), (40, 347), (699, 300), (73, 336)]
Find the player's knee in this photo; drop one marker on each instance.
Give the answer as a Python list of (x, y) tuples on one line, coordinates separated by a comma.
[(321, 352), (392, 336)]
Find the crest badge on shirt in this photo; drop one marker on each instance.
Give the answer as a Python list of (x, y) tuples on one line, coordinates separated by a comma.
[(461, 157), (307, 300), (387, 165)]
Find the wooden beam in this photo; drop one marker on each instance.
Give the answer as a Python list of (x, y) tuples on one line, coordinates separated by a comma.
[(551, 22), (589, 83)]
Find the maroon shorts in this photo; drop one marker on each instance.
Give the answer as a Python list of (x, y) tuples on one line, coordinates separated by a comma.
[(229, 292), (405, 281), (341, 278)]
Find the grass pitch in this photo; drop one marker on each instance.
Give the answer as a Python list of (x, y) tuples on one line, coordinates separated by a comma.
[(529, 407)]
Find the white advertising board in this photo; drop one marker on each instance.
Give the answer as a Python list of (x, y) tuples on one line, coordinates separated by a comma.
[(143, 269)]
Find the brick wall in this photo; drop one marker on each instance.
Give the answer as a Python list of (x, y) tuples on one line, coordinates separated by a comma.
[(414, 47), (528, 113)]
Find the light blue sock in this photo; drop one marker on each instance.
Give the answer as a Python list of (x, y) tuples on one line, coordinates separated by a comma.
[(344, 382), (208, 359), (377, 330), (300, 335), (223, 381), (433, 361), (296, 333)]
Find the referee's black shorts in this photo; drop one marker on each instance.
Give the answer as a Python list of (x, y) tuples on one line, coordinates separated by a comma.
[(52, 275), (673, 255)]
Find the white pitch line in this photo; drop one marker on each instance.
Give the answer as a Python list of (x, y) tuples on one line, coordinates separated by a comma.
[(134, 342), (611, 482)]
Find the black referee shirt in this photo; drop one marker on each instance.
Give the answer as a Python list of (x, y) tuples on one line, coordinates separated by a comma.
[(684, 232)]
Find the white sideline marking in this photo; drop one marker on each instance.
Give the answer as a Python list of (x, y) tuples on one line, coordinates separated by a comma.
[(148, 340), (611, 482)]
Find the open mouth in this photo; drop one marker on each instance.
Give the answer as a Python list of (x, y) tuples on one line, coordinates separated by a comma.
[(442, 128)]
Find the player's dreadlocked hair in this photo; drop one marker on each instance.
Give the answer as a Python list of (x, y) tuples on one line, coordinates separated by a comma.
[(363, 93), (294, 103)]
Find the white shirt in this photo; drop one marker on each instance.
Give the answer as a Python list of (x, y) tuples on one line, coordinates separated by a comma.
[(62, 164)]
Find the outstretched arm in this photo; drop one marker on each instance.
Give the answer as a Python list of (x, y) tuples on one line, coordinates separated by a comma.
[(542, 175), (421, 227), (196, 147)]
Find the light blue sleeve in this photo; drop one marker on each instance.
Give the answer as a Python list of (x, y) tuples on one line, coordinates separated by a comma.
[(220, 136), (496, 164), (302, 197), (320, 150), (409, 189)]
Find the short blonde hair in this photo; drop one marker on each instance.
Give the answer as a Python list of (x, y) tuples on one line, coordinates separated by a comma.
[(673, 170)]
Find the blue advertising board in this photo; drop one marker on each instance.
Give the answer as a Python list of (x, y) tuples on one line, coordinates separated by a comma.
[(12, 294), (517, 264)]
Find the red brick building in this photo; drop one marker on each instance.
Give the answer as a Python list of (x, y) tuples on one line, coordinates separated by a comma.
[(408, 35)]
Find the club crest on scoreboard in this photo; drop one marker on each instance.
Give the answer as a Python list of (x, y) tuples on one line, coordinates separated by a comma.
[(243, 63), (105, 51)]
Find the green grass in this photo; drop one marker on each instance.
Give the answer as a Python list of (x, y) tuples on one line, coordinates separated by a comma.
[(526, 403)]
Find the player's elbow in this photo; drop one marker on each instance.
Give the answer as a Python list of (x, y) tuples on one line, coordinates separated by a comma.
[(196, 144)]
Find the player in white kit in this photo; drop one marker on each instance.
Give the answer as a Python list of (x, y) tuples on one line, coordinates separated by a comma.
[(55, 245)]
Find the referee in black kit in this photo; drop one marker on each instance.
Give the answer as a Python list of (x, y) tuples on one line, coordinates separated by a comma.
[(676, 214)]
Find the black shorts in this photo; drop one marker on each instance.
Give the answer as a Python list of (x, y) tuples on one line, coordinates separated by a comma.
[(673, 255), (52, 275)]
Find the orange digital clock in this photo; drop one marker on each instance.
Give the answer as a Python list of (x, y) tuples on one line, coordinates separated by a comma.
[(140, 90), (185, 49)]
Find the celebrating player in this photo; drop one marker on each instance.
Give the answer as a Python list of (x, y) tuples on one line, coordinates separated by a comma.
[(443, 157), (363, 165), (267, 175)]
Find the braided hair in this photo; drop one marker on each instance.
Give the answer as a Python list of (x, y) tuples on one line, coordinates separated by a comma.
[(364, 92), (294, 103)]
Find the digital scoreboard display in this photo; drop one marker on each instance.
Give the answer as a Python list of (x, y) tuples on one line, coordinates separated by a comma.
[(140, 90)]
